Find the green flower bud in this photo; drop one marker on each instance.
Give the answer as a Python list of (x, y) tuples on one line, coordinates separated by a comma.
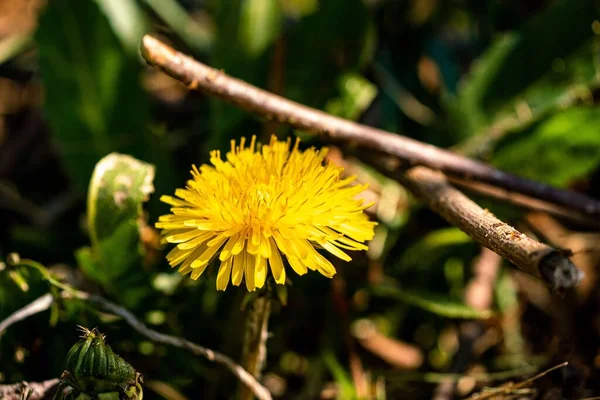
[(94, 371)]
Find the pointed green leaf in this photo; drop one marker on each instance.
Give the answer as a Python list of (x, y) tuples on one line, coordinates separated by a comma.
[(431, 302), (356, 95), (260, 24)]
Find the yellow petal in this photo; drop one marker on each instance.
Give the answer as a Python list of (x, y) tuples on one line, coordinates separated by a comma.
[(249, 267), (185, 236), (265, 247), (301, 247), (186, 268), (325, 267), (197, 272), (276, 264), (202, 224), (238, 245), (224, 274), (226, 252), (251, 247), (282, 243), (174, 201), (260, 271), (335, 251), (208, 254), (176, 256), (196, 242), (238, 269), (297, 265)]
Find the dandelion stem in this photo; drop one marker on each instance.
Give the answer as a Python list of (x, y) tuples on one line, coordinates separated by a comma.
[(254, 353)]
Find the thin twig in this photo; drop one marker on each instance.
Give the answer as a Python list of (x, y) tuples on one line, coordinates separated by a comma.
[(259, 391), (67, 292), (32, 390), (525, 202), (37, 306), (209, 80), (531, 256), (506, 388)]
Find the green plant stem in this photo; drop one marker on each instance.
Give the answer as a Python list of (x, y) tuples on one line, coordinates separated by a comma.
[(254, 353)]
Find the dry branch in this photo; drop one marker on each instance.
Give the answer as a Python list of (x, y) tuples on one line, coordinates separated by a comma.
[(531, 256), (214, 82), (29, 390), (526, 202)]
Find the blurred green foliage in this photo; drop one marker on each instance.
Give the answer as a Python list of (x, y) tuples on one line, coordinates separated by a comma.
[(94, 101), (507, 81)]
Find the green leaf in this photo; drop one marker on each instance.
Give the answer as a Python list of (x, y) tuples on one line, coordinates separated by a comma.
[(432, 249), (127, 20), (506, 293), (532, 69), (260, 24), (557, 150), (92, 96), (356, 95), (196, 35), (299, 8), (119, 186), (340, 375), (431, 302)]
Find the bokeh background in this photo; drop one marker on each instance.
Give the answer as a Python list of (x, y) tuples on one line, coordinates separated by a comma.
[(511, 82)]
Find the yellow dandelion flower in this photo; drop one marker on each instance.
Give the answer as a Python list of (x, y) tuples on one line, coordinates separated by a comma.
[(264, 203)]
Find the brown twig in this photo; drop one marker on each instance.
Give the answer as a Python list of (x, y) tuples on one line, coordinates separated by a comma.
[(525, 202), (209, 80), (510, 386), (37, 306), (531, 256), (29, 390)]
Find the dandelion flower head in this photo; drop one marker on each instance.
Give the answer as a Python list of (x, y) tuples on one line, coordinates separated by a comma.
[(264, 204)]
